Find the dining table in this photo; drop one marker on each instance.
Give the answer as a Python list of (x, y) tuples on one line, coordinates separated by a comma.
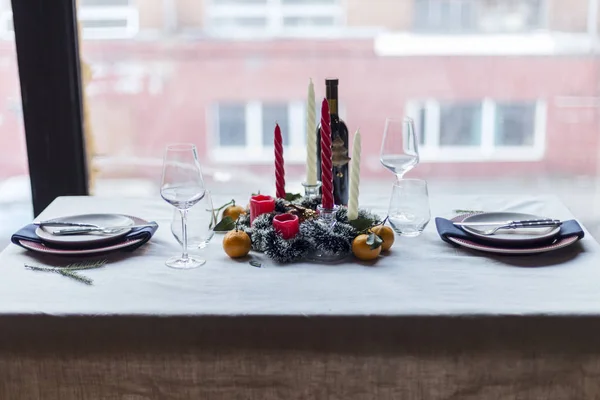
[(426, 320)]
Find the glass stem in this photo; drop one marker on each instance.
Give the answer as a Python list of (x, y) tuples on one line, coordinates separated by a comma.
[(184, 255)]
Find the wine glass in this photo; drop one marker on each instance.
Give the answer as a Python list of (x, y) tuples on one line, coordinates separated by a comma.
[(399, 150), (201, 220), (182, 186)]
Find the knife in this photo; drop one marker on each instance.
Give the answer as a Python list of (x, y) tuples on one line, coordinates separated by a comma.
[(528, 223)]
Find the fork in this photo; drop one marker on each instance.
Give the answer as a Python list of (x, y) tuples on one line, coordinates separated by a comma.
[(521, 224), (100, 230)]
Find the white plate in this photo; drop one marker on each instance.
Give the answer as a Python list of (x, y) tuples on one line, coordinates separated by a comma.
[(533, 249), (521, 235), (107, 220)]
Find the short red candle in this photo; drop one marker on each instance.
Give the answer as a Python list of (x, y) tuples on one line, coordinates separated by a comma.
[(286, 224), (261, 204), (279, 169)]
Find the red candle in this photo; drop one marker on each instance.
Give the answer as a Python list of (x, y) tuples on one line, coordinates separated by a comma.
[(261, 204), (279, 170), (326, 163), (287, 224)]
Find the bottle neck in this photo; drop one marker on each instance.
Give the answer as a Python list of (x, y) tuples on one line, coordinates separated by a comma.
[(332, 99)]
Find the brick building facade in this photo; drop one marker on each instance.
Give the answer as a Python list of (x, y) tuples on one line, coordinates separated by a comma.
[(494, 91)]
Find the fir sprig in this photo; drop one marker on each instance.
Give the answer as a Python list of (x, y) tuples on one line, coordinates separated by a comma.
[(70, 270)]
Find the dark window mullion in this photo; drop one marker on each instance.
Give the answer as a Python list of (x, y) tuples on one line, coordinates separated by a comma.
[(48, 57)]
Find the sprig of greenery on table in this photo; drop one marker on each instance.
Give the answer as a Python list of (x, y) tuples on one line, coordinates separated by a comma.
[(70, 270)]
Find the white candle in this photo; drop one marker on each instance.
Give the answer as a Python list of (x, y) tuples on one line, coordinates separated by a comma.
[(354, 177), (311, 137)]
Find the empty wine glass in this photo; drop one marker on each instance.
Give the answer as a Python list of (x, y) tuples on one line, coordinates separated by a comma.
[(409, 210), (182, 186), (201, 220), (399, 149)]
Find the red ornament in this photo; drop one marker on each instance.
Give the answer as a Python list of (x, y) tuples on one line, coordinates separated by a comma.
[(279, 169), (287, 224), (326, 162), (261, 204)]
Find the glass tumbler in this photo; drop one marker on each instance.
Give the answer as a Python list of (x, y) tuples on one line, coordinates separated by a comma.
[(409, 210)]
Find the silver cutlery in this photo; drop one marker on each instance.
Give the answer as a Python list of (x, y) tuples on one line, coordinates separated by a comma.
[(62, 223), (532, 223), (101, 230)]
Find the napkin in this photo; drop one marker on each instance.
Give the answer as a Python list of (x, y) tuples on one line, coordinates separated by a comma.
[(447, 229), (145, 233)]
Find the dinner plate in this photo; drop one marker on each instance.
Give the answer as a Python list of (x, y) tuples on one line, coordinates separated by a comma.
[(523, 236), (533, 248), (42, 248), (559, 244), (105, 220)]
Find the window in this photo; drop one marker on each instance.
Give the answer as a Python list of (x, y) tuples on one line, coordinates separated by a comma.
[(490, 16), (232, 125), (278, 113), (244, 131), (515, 124), (477, 88), (15, 188), (478, 131), (460, 124), (100, 19), (273, 17)]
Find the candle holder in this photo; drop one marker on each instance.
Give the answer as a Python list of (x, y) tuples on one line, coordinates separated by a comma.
[(311, 191), (327, 218)]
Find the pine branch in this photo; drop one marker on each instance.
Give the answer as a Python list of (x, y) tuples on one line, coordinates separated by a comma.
[(85, 265), (69, 270), (76, 276)]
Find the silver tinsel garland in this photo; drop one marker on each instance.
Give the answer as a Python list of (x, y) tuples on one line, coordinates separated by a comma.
[(313, 234)]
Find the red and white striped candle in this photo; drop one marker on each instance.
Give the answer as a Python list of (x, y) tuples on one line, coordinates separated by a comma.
[(326, 163), (279, 169)]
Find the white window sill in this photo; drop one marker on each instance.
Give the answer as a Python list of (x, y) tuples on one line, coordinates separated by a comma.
[(538, 43), (256, 156), (467, 154)]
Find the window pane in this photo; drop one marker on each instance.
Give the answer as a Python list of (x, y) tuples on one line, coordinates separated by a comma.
[(477, 15), (105, 3), (15, 189), (515, 124), (242, 22), (271, 114), (308, 21), (158, 78), (232, 125), (309, 2), (460, 125), (420, 126), (240, 2)]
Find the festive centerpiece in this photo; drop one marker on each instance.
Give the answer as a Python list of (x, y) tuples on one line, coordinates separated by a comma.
[(293, 227)]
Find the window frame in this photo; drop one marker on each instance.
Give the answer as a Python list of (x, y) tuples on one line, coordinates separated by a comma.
[(46, 39), (254, 152), (274, 12), (89, 13), (542, 18), (432, 151)]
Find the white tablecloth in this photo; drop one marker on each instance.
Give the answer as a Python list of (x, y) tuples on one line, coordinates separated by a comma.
[(428, 321), (420, 276)]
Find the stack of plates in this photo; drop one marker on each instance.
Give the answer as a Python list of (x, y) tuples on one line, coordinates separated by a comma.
[(44, 241), (510, 241)]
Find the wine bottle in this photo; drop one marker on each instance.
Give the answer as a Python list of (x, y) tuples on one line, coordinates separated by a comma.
[(339, 140)]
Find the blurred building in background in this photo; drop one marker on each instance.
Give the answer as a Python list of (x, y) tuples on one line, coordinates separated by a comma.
[(497, 87)]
